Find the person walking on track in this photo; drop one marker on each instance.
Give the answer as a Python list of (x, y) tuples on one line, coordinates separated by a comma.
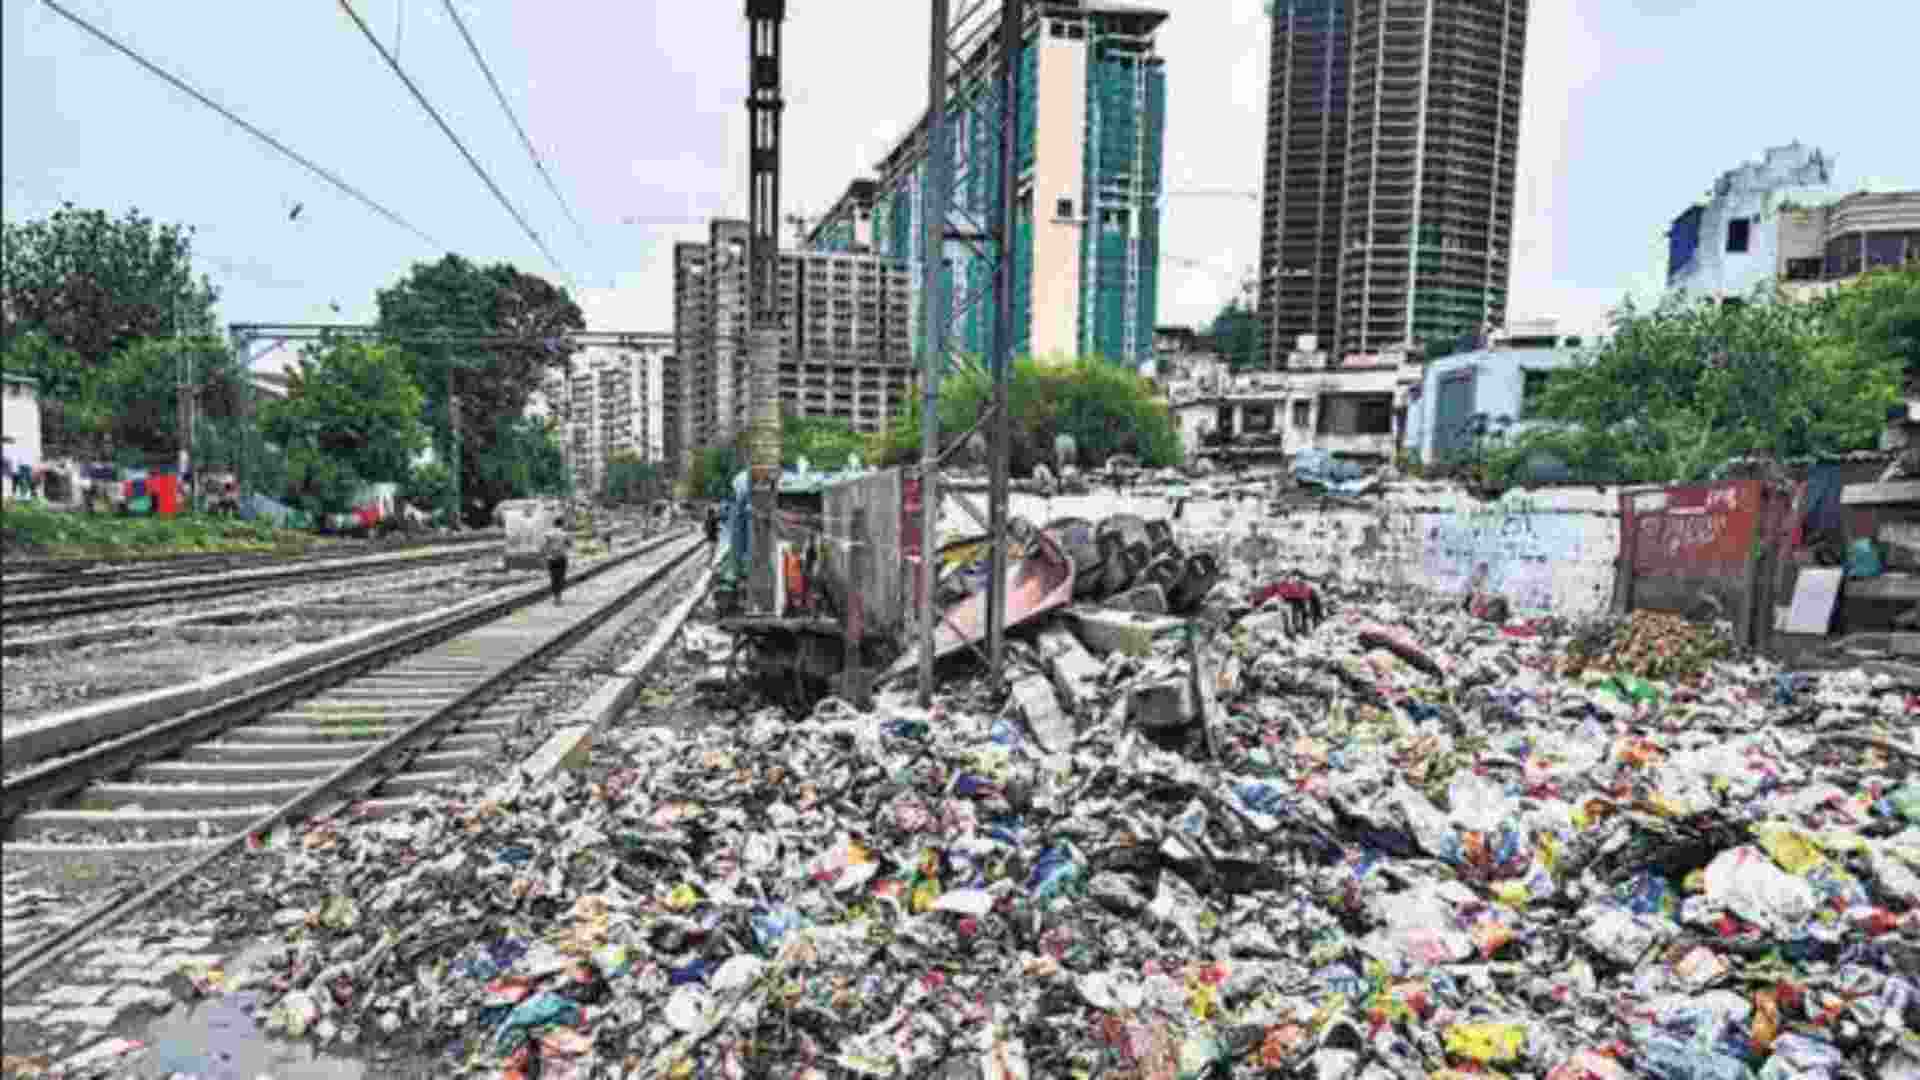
[(558, 545)]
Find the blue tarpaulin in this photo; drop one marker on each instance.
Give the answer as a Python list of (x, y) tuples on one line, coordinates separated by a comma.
[(1319, 468)]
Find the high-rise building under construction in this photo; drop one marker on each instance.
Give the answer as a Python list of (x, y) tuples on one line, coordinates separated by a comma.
[(1392, 136), (1086, 249)]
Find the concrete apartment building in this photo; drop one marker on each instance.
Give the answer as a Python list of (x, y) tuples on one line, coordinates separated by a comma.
[(1728, 243), (1775, 221), (846, 347), (1823, 247), (1086, 245), (609, 400), (1392, 144)]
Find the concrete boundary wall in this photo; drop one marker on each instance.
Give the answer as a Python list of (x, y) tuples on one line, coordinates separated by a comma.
[(1548, 551)]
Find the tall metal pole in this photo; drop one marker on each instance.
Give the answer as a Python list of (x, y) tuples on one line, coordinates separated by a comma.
[(1012, 32), (933, 215), (566, 430), (241, 345), (763, 289), (184, 364), (453, 448)]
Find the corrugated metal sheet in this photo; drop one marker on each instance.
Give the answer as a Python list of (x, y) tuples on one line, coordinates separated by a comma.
[(1681, 546), (864, 517)]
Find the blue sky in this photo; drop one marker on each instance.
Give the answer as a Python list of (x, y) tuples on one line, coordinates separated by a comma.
[(1633, 107)]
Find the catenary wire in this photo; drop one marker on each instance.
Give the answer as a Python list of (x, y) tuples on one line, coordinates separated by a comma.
[(181, 85), (346, 6), (500, 96)]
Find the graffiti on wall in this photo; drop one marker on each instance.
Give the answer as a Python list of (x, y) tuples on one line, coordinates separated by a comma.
[(1676, 531), (1515, 549)]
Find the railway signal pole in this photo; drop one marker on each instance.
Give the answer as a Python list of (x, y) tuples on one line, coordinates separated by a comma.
[(764, 105)]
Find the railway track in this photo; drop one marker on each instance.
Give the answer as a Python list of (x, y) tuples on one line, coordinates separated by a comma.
[(371, 728), (46, 603), (34, 573)]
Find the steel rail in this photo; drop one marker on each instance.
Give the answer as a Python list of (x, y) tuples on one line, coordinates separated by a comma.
[(90, 573), (353, 779), (46, 607)]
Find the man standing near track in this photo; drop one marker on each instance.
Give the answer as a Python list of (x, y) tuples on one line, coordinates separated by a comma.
[(558, 545)]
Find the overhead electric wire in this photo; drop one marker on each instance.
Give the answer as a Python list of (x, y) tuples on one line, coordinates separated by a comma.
[(181, 85), (500, 96), (455, 139)]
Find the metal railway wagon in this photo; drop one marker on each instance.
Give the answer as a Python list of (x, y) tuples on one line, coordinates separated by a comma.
[(526, 522)]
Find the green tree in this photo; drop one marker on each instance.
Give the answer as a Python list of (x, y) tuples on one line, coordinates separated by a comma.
[(69, 419), (711, 469), (130, 403), (428, 486), (1107, 409), (1239, 336), (1681, 388), (456, 297), (631, 480), (824, 441), (94, 284), (1879, 316), (519, 458), (351, 417)]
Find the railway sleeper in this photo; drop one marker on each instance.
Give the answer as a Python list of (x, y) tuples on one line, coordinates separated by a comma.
[(225, 751), (229, 772), (117, 795)]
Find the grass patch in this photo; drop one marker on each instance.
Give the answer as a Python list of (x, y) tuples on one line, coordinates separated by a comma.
[(31, 528)]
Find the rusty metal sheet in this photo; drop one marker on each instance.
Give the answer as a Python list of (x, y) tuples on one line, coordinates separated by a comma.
[(1688, 548), (1039, 583), (913, 567)]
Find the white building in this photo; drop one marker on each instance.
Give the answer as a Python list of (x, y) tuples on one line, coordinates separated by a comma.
[(1499, 383), (608, 400), (20, 423), (1352, 408), (1729, 243)]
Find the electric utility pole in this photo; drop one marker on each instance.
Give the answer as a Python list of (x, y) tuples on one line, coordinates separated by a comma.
[(764, 105), (933, 219), (453, 446), (183, 361)]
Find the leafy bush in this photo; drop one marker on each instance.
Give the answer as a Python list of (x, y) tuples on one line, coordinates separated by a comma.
[(1681, 388), (1107, 410), (823, 441), (31, 527)]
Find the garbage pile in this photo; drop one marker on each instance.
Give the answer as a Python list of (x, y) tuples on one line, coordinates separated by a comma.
[(1401, 845), (1647, 644)]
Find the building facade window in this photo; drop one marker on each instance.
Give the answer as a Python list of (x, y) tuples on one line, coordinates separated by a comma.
[(1302, 414), (1804, 269), (1739, 234)]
